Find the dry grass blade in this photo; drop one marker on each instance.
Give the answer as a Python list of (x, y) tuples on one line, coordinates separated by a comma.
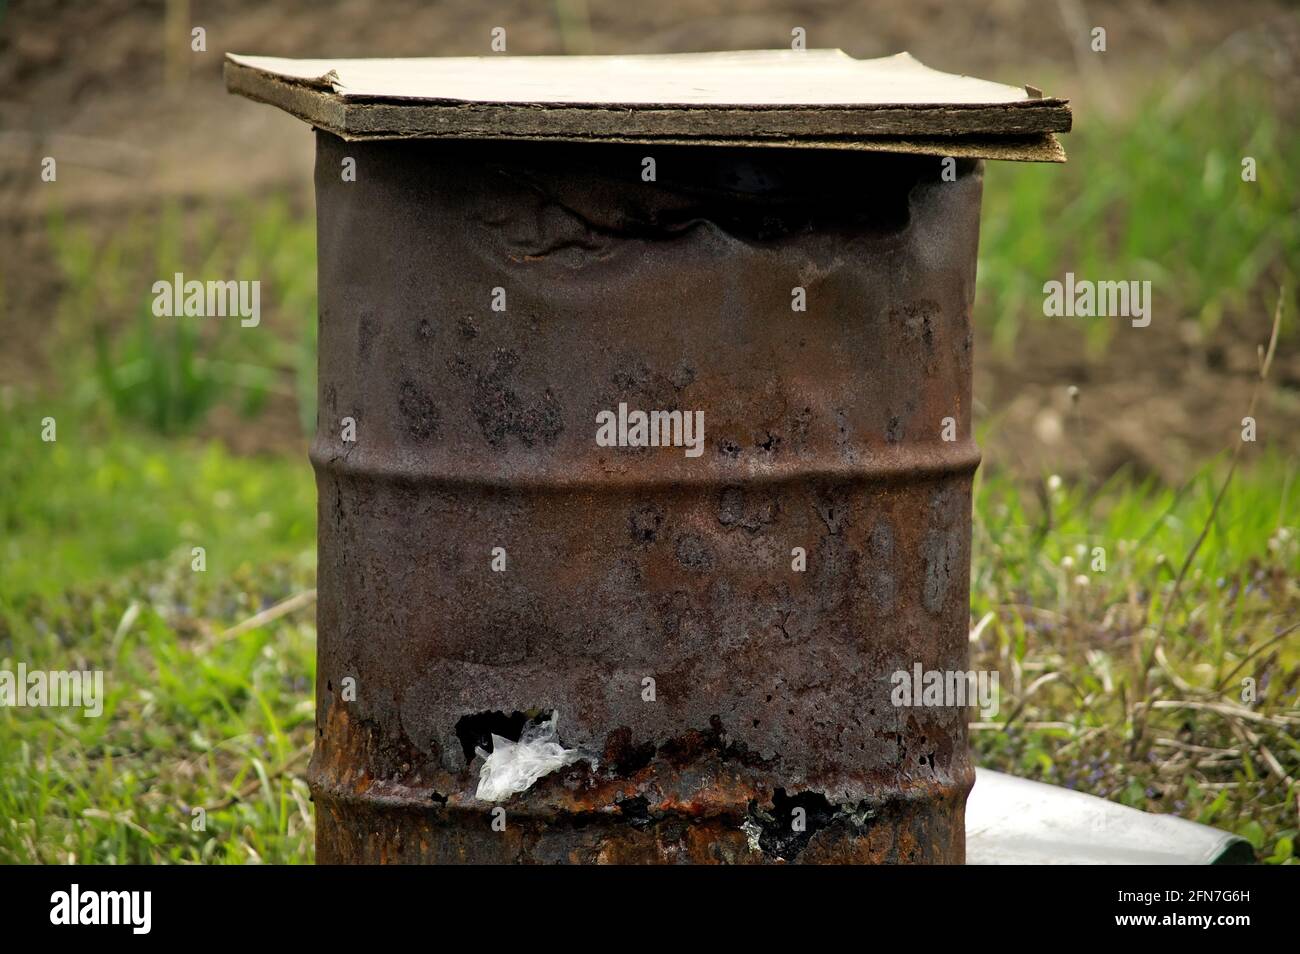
[(270, 614), (1224, 709)]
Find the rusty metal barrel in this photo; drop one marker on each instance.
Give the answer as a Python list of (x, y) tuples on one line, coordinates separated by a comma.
[(712, 620)]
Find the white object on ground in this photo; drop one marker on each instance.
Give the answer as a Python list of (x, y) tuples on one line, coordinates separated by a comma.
[(1015, 821), (512, 767)]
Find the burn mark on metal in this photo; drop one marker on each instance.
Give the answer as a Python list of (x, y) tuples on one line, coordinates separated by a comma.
[(787, 827), (771, 687), (499, 410)]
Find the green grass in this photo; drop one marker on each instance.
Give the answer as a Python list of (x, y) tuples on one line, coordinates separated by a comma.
[(102, 499), (170, 373), (1111, 686), (96, 573), (190, 720), (1154, 194)]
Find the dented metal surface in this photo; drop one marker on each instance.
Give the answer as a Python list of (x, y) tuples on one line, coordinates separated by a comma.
[(475, 429)]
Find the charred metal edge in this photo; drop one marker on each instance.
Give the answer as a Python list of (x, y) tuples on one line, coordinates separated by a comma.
[(633, 829)]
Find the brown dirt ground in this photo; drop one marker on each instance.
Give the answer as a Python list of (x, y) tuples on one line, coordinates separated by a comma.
[(92, 81)]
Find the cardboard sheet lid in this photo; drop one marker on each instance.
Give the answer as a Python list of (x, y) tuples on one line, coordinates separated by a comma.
[(816, 98)]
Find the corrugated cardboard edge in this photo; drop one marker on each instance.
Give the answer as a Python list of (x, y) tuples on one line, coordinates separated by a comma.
[(314, 102)]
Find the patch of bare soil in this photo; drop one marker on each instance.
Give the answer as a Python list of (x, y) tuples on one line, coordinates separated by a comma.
[(1163, 400)]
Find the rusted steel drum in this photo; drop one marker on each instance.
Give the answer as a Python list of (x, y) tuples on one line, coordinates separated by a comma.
[(649, 597)]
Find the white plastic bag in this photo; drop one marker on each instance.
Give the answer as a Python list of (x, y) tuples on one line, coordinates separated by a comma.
[(512, 767)]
